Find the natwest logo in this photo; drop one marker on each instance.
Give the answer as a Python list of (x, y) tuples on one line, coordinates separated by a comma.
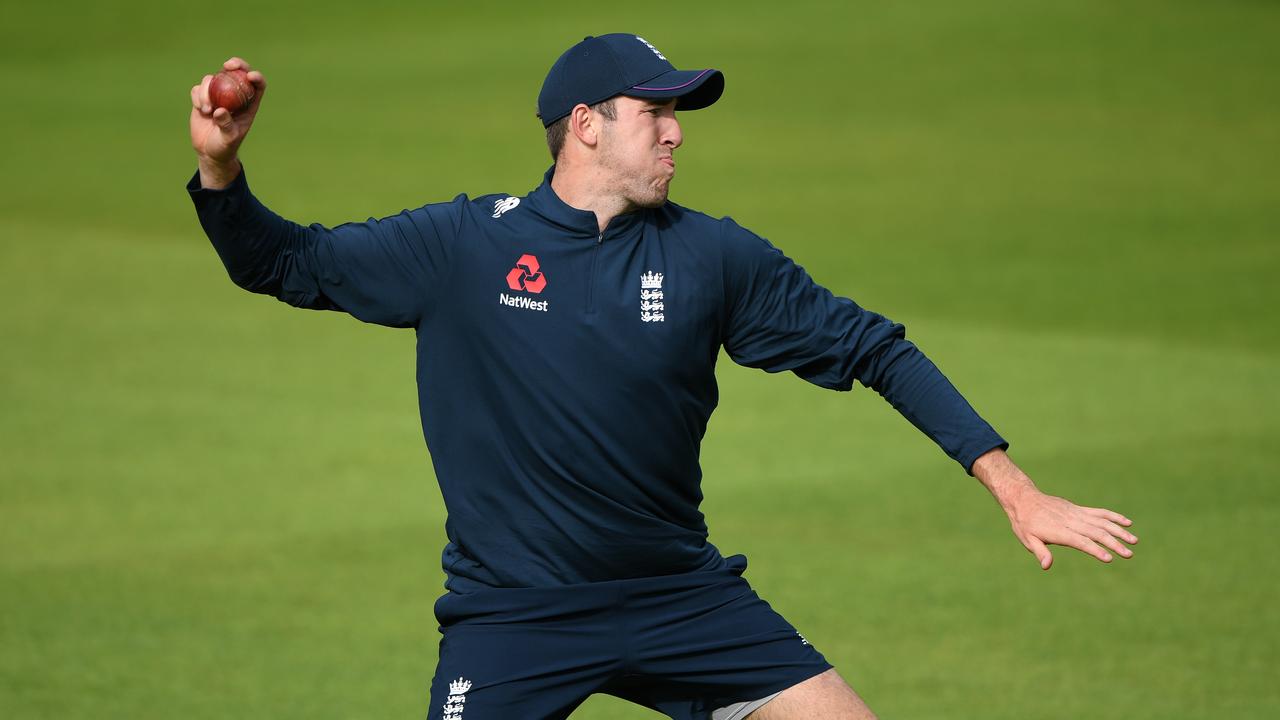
[(526, 275)]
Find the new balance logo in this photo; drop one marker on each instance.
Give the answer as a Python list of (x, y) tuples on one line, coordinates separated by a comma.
[(504, 205)]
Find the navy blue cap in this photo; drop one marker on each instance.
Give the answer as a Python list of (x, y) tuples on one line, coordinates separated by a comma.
[(599, 68)]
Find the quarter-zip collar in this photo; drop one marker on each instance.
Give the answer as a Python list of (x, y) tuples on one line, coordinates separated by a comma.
[(580, 223)]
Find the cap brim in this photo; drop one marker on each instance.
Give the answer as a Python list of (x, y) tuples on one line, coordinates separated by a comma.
[(695, 88)]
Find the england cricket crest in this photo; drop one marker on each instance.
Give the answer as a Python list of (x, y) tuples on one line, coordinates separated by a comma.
[(457, 700), (652, 304)]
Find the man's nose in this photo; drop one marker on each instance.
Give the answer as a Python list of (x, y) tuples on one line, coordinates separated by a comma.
[(671, 134)]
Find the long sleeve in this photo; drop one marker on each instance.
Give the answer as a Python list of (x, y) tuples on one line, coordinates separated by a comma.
[(779, 319), (380, 271)]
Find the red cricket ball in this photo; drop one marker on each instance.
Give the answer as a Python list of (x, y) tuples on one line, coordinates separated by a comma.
[(232, 90)]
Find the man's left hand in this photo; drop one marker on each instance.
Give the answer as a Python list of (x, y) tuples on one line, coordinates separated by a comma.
[(1040, 520)]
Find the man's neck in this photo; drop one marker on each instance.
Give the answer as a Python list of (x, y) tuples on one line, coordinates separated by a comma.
[(587, 189)]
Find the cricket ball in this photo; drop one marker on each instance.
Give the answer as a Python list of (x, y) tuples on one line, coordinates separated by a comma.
[(232, 90)]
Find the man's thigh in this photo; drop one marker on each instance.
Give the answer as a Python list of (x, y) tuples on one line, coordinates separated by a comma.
[(712, 652), (825, 696), (497, 672), (523, 653)]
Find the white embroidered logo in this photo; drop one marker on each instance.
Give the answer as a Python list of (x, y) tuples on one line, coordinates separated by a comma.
[(652, 306), (651, 47), (802, 640), (504, 205), (457, 700)]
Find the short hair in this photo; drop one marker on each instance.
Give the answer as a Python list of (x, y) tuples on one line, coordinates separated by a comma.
[(559, 130)]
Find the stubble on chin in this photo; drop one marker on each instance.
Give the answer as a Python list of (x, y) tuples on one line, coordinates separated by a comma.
[(656, 195), (631, 183)]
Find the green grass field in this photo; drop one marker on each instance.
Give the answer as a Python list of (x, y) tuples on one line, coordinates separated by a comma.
[(213, 505)]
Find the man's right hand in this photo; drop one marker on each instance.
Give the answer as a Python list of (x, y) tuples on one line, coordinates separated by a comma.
[(216, 134)]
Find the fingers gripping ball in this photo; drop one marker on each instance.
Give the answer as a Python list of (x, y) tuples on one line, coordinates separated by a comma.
[(232, 90)]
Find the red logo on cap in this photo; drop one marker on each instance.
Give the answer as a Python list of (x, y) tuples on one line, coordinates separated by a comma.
[(526, 275)]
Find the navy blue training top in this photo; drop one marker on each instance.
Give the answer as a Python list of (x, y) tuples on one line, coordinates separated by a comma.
[(566, 376)]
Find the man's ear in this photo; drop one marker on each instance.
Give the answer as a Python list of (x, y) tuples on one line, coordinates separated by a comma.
[(584, 126)]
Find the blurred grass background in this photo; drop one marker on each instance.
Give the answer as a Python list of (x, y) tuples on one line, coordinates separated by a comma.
[(214, 505)]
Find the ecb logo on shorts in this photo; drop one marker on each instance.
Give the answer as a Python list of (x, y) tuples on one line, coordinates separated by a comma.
[(457, 700)]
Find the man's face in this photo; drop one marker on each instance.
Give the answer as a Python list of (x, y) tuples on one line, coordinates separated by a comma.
[(637, 149)]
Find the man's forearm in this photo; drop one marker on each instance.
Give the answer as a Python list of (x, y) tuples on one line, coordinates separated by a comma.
[(218, 176), (909, 380), (257, 247)]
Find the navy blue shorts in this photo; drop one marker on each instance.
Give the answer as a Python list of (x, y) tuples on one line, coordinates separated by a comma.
[(684, 645)]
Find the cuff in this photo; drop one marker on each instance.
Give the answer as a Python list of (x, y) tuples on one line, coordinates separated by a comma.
[(239, 185), (977, 450)]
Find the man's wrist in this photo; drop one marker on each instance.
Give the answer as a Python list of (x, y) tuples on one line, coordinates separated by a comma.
[(216, 175), (1005, 480)]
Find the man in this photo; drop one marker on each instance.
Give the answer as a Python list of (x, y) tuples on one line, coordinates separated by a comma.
[(566, 349)]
